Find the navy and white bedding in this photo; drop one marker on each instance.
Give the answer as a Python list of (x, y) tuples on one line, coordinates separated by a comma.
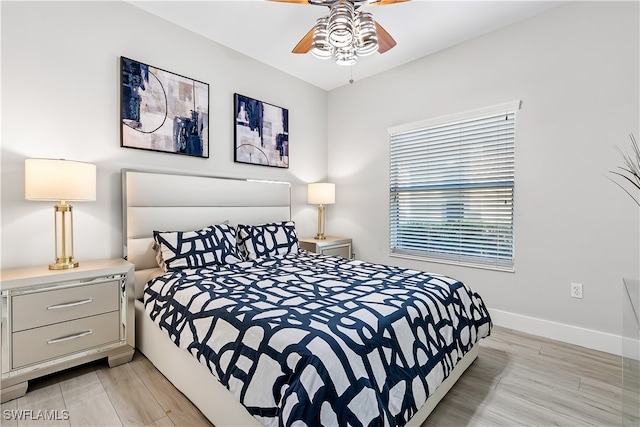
[(307, 339)]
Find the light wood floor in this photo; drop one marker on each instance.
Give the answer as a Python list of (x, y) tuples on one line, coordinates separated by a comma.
[(518, 379)]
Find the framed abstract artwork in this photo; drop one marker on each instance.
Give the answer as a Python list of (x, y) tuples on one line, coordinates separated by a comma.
[(261, 133), (163, 111)]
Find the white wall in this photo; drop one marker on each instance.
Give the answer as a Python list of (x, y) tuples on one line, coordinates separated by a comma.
[(576, 71), (60, 99)]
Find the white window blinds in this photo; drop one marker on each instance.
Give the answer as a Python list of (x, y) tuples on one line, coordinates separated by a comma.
[(451, 188)]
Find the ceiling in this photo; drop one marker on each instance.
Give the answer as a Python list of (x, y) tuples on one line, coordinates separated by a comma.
[(267, 31)]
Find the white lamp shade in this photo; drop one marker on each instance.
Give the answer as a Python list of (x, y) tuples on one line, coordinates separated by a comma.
[(58, 179), (321, 193)]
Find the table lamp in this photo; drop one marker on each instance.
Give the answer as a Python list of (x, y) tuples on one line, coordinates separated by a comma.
[(61, 181), (321, 193)]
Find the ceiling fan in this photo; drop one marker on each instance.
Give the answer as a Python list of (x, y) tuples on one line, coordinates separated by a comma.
[(346, 33)]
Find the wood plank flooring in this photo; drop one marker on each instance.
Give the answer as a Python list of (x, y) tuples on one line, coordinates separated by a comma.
[(521, 379), (517, 380)]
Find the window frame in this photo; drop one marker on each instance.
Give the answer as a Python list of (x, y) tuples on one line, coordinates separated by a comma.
[(442, 121)]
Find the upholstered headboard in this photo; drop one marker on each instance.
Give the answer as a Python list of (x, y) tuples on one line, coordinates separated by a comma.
[(176, 202)]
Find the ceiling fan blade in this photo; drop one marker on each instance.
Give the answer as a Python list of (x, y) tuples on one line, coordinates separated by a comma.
[(304, 45), (385, 41), (292, 1), (383, 2)]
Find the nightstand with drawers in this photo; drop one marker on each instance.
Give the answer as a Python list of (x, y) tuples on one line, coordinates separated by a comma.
[(334, 246), (56, 319)]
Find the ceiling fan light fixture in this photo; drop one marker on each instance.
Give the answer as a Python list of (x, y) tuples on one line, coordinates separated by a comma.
[(341, 25), (367, 37), (320, 47), (345, 33), (346, 55)]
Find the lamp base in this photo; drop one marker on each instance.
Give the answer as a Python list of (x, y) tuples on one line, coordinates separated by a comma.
[(320, 234), (63, 213), (64, 264)]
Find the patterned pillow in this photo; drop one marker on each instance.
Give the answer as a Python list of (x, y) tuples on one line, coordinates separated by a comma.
[(215, 244), (265, 240)]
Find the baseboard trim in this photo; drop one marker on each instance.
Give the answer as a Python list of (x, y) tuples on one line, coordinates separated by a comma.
[(583, 337)]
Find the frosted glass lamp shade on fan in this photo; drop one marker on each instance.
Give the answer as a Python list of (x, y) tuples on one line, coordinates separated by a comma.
[(61, 181), (321, 193)]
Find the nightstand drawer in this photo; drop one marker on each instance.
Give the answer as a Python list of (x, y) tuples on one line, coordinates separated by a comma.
[(343, 251), (331, 245), (48, 307), (48, 342)]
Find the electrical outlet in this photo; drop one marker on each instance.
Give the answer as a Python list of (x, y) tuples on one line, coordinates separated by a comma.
[(576, 290)]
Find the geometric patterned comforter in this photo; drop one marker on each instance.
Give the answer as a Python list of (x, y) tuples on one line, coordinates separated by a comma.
[(314, 340)]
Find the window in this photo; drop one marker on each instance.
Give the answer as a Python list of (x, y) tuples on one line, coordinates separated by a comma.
[(451, 188)]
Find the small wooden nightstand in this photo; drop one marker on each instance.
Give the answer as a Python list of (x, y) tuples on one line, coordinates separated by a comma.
[(56, 319), (334, 246)]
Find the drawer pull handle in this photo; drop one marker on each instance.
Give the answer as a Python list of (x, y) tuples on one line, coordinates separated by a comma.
[(70, 337), (70, 304)]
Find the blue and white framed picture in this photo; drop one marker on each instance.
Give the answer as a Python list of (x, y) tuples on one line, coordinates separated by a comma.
[(163, 111), (261, 133)]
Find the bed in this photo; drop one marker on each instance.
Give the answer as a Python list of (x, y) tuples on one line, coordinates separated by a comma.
[(298, 338)]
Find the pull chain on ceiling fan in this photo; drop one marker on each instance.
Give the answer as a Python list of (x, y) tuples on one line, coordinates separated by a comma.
[(346, 33)]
